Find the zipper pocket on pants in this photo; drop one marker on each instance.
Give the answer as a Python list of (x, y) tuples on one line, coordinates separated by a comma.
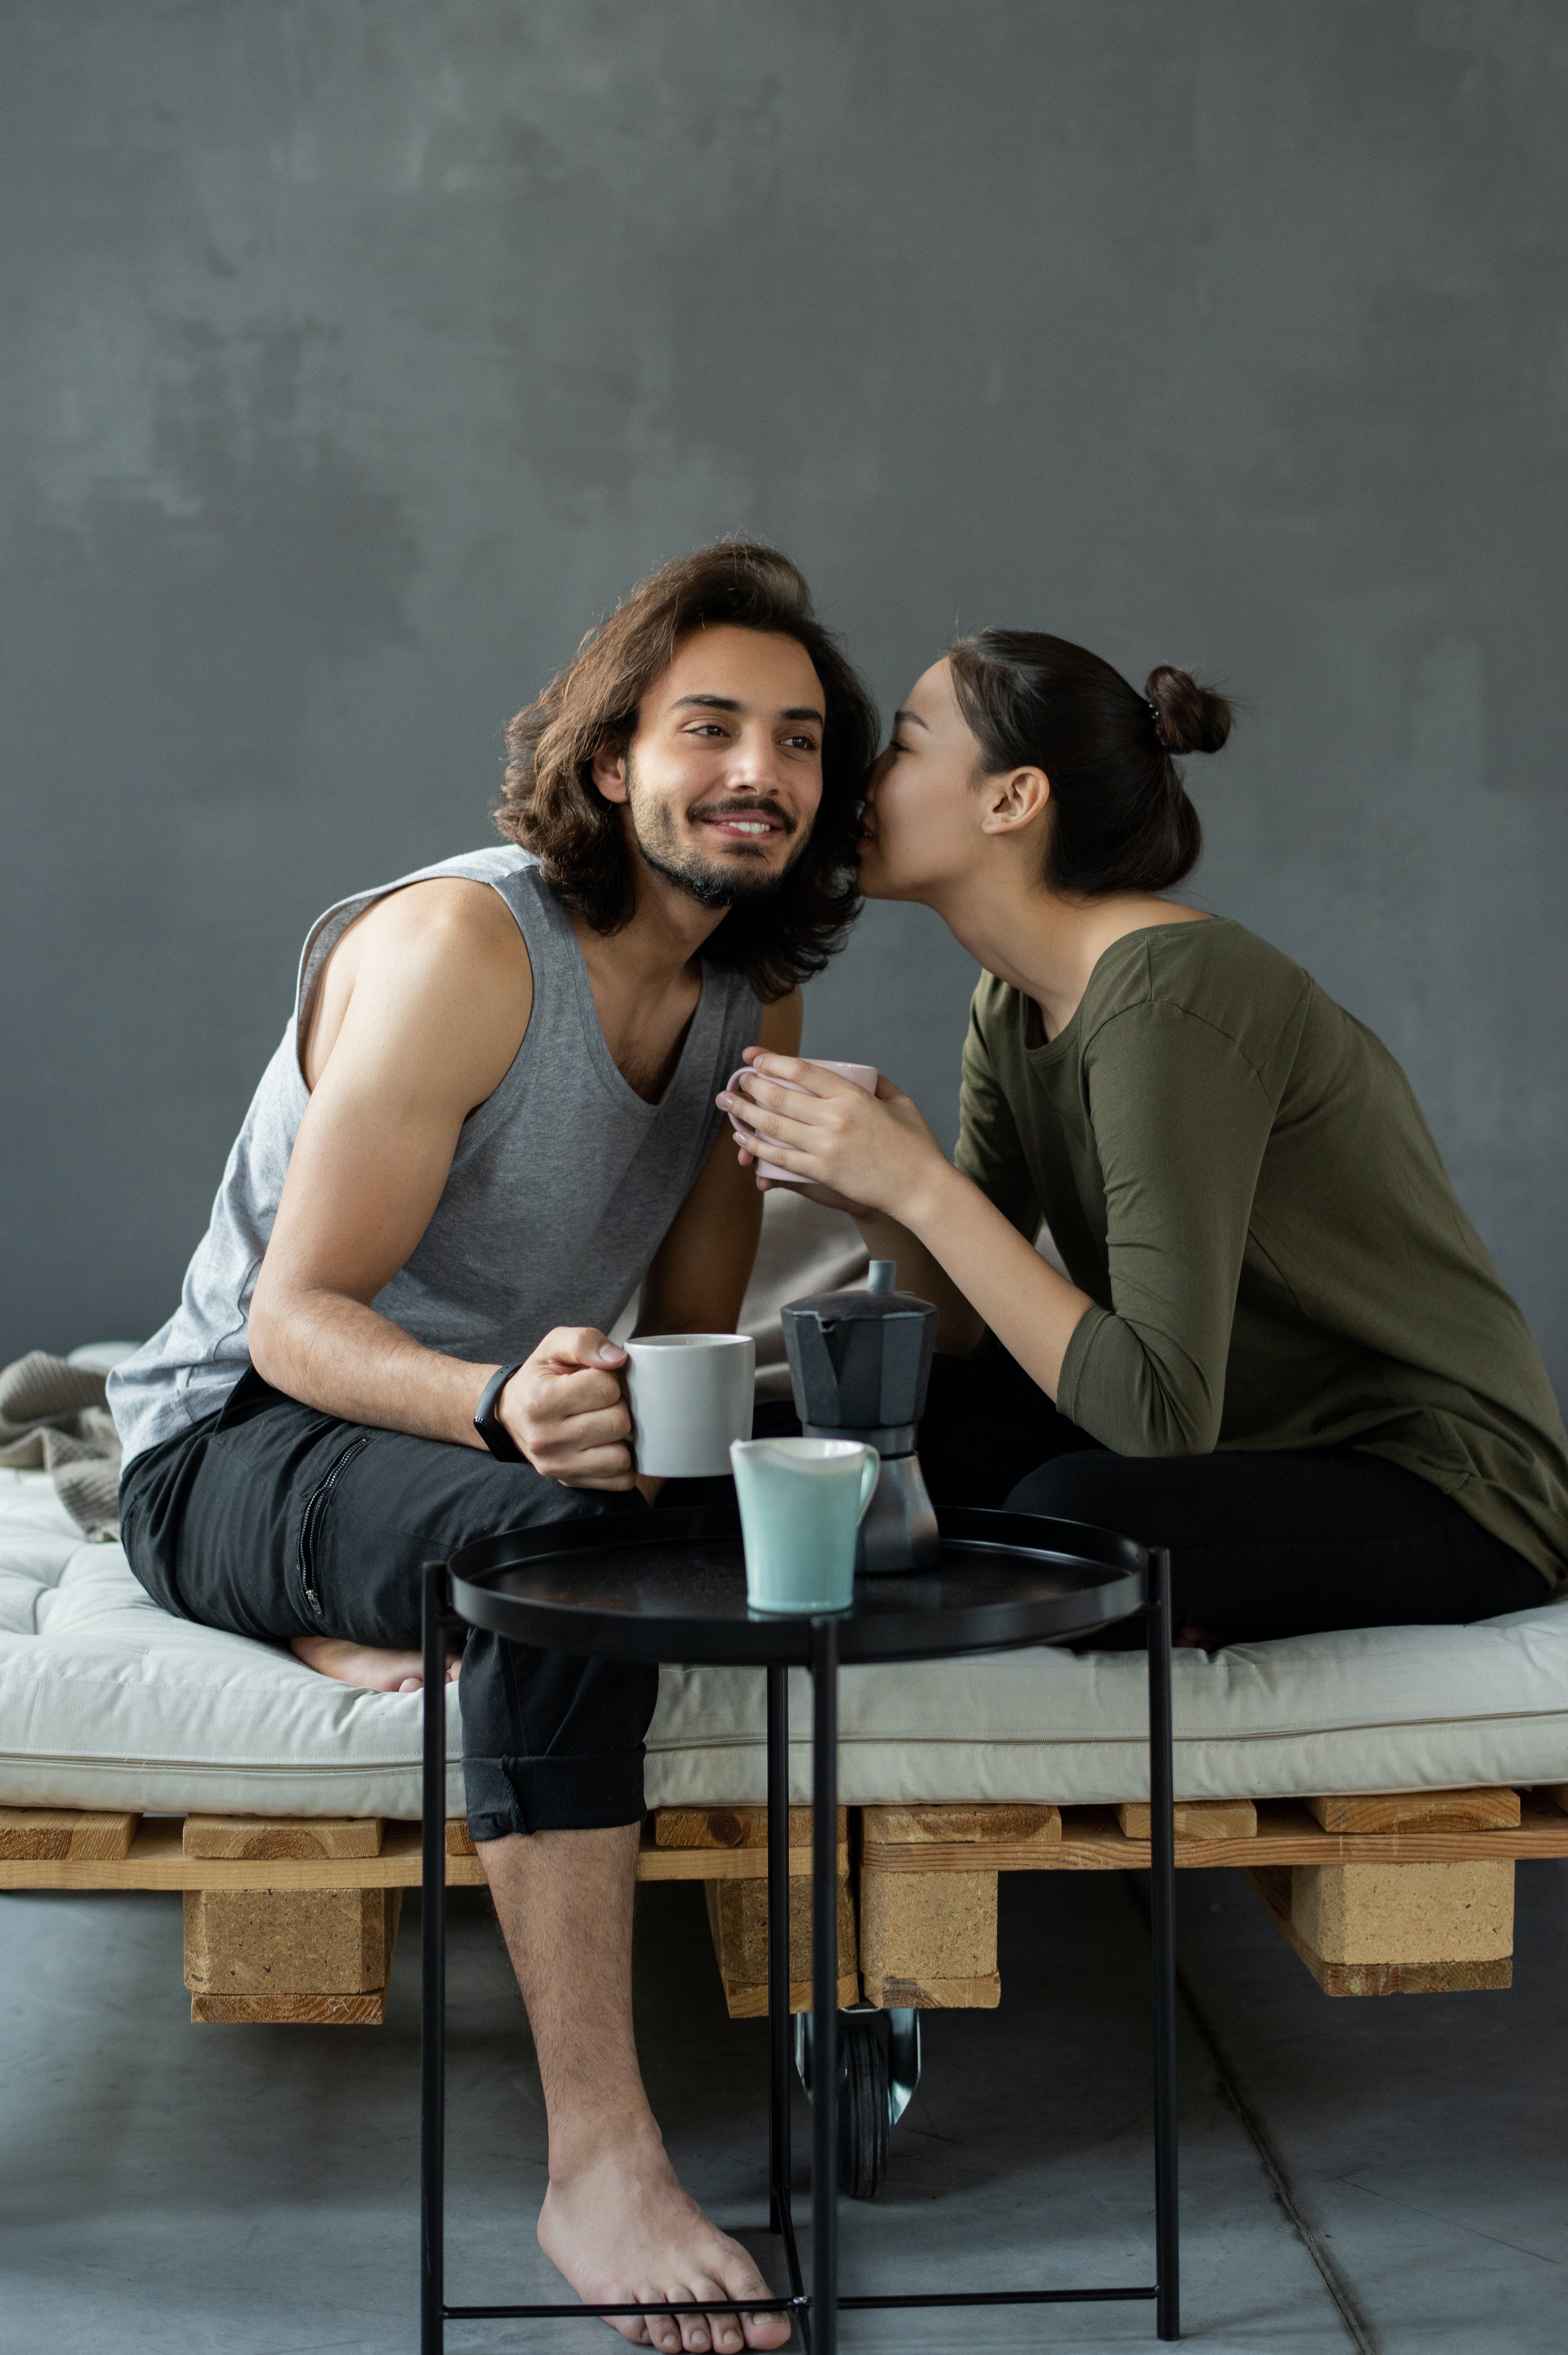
[(315, 1505)]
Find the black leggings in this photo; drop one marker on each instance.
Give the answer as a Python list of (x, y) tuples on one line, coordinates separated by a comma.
[(273, 1521), (1261, 1545)]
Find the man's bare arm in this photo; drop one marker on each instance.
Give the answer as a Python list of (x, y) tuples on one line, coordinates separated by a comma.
[(697, 1280), (440, 998)]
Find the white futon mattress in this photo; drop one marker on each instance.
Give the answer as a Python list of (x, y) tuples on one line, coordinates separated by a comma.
[(106, 1701)]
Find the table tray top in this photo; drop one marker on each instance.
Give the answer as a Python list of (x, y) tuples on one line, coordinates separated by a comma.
[(670, 1585)]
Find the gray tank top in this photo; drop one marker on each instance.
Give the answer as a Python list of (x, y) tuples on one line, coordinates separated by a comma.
[(561, 1190)]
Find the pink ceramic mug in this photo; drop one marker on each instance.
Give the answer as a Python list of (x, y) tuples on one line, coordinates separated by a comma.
[(863, 1074)]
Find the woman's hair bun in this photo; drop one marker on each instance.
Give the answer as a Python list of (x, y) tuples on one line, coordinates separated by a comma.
[(1188, 718)]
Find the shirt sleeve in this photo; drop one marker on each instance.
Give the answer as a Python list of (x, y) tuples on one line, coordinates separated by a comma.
[(990, 1151), (1181, 1120)]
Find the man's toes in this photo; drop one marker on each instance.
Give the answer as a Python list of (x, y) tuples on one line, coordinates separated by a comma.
[(704, 2332), (663, 2331), (726, 2327), (750, 2321)]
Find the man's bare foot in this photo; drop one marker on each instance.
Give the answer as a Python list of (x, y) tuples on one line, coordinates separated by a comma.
[(365, 1664), (621, 2228)]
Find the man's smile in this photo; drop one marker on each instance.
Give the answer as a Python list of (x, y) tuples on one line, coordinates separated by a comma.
[(749, 824)]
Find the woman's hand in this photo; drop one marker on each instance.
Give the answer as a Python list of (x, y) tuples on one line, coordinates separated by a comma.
[(869, 1153)]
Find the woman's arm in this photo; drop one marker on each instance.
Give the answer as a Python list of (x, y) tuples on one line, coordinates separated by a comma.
[(1180, 1121), (958, 1328), (952, 1246)]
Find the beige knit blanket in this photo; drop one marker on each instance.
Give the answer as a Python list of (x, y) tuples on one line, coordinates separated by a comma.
[(53, 1419)]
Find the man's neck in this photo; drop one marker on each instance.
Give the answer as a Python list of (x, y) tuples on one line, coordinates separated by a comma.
[(660, 942), (645, 981)]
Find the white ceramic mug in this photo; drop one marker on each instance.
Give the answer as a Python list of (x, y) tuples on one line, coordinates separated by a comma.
[(863, 1074), (691, 1394), (802, 1503)]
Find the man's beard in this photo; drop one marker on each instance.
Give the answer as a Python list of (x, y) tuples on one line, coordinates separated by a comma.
[(706, 880)]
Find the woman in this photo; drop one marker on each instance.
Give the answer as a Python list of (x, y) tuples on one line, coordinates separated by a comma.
[(1279, 1346)]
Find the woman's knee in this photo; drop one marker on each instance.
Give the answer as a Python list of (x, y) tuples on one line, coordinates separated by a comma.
[(1083, 1486)]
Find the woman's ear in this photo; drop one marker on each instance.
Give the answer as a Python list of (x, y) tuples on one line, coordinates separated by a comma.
[(1012, 800), (609, 770)]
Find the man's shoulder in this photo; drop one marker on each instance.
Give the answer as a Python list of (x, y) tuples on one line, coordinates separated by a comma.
[(435, 973), (443, 921)]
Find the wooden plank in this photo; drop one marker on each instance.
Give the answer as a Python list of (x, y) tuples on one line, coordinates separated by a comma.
[(730, 1828), (1011, 1826), (290, 2010), (1209, 1819), (737, 1918), (743, 2000), (273, 1837), (158, 1860), (1271, 1885), (54, 1834), (278, 2007), (982, 1994), (1417, 1811), (459, 1839), (928, 1931), (721, 1864), (1093, 1841), (256, 1942)]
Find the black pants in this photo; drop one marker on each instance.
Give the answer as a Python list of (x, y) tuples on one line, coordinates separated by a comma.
[(273, 1521), (1261, 1545)]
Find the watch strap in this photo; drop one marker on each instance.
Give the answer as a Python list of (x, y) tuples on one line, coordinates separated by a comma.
[(488, 1424)]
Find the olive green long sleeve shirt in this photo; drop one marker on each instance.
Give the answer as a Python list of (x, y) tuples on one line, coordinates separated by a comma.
[(1238, 1174)]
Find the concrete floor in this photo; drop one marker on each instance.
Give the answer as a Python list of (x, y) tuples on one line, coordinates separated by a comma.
[(173, 2190)]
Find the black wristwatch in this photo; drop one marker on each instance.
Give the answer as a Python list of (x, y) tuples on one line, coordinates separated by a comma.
[(488, 1424)]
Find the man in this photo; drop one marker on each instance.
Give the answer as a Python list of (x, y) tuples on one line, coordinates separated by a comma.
[(491, 1120)]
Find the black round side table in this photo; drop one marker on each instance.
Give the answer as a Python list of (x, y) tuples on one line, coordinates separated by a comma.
[(670, 1585)]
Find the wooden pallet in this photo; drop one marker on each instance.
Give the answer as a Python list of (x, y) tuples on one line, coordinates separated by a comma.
[(295, 1919), (1380, 1893)]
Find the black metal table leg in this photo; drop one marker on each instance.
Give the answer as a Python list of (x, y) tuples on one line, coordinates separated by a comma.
[(433, 1979), (779, 2169), (1162, 1950), (824, 1987)]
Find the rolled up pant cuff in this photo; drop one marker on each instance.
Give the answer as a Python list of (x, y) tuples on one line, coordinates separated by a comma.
[(552, 1795)]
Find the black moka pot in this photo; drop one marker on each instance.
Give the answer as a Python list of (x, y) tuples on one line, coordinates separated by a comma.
[(860, 1362)]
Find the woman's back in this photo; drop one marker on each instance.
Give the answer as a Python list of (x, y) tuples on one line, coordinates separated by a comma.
[(1237, 1173)]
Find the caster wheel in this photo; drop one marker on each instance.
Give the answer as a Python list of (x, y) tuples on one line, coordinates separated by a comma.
[(862, 2106)]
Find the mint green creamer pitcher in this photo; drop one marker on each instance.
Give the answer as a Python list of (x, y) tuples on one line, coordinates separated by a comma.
[(802, 1503)]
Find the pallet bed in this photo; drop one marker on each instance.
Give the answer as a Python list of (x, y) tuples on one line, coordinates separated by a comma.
[(293, 1919)]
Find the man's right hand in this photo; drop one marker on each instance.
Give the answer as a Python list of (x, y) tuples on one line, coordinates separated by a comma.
[(566, 1410)]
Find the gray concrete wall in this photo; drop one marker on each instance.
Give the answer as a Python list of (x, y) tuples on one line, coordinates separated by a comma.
[(358, 352)]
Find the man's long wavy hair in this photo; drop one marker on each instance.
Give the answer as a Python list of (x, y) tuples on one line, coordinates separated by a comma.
[(551, 806)]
